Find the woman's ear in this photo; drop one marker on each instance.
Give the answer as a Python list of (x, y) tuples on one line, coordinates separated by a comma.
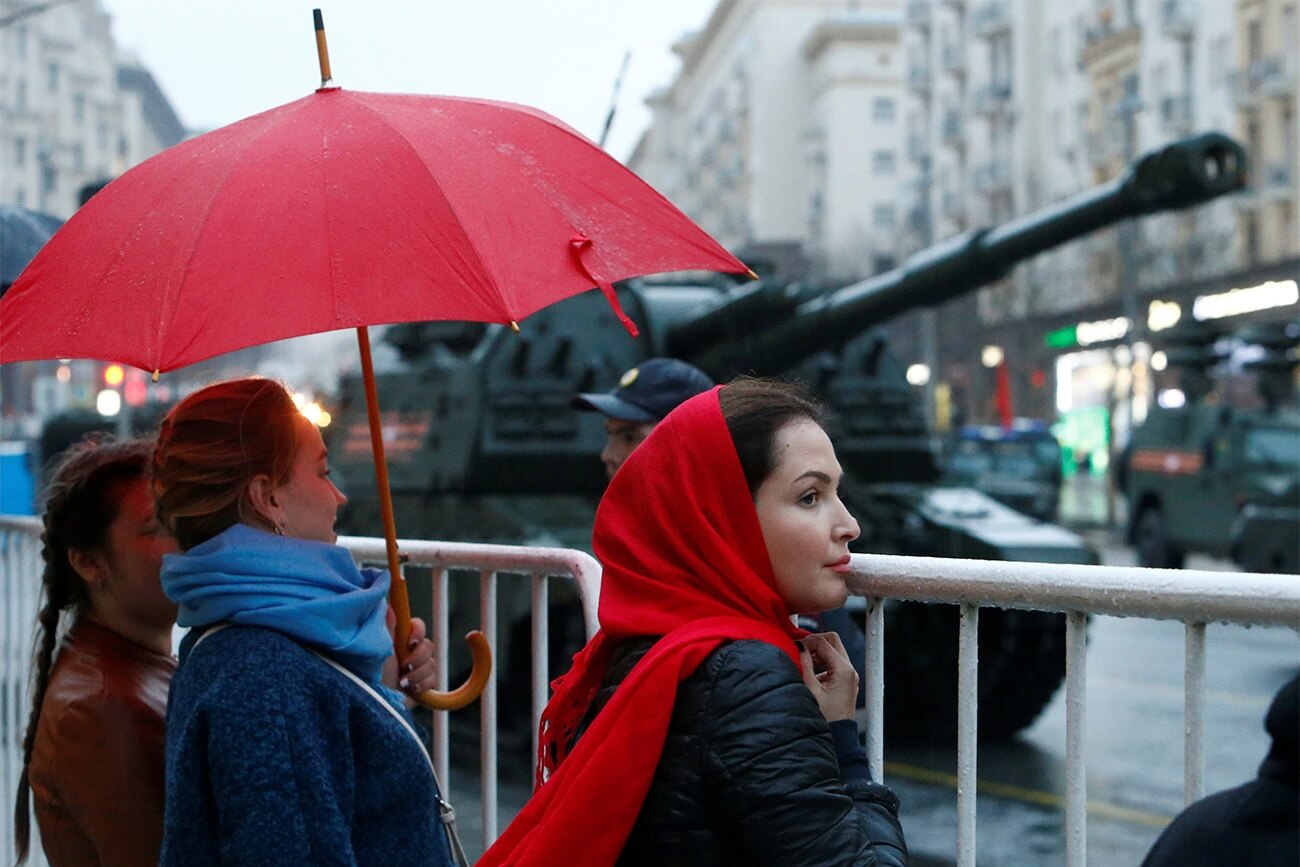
[(90, 565), (262, 497)]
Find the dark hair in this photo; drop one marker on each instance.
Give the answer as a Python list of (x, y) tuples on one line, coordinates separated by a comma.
[(754, 410), (81, 501), (211, 445)]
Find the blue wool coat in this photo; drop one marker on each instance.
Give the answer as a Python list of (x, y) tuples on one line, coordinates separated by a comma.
[(275, 758)]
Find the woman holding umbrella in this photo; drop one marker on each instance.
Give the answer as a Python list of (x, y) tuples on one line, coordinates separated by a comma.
[(283, 747), (700, 726)]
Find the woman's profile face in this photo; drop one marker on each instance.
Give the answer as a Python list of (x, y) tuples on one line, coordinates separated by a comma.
[(805, 525), (309, 498), (134, 547)]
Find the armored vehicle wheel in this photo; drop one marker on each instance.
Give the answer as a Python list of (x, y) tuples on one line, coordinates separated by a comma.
[(1021, 665), (1151, 538)]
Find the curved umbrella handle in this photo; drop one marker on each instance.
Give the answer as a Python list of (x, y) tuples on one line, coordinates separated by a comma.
[(468, 691), (397, 598)]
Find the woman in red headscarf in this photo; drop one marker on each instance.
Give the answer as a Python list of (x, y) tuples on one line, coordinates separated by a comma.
[(700, 726)]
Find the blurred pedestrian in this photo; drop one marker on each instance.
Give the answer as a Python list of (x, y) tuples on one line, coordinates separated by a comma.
[(283, 744), (1255, 823), (700, 726), (644, 395), (93, 752)]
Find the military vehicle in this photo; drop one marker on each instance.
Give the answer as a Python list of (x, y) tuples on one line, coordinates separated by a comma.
[(484, 446), (1217, 479), (1019, 466)]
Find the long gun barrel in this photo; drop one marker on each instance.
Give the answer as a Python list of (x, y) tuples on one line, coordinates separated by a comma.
[(1177, 176)]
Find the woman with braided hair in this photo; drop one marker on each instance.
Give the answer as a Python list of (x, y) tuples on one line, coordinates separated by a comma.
[(93, 751)]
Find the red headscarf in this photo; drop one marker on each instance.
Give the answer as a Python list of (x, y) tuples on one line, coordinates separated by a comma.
[(683, 557)]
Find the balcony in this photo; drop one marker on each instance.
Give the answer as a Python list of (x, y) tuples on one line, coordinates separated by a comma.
[(992, 99), (989, 19), (1176, 113), (953, 60), (1178, 19), (1274, 181), (992, 177), (1267, 77), (1106, 146), (1275, 76), (919, 13), (918, 79), (952, 129), (1108, 32)]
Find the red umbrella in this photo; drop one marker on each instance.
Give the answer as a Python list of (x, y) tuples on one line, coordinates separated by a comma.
[(344, 209)]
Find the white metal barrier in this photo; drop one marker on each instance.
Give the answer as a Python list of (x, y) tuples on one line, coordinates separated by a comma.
[(492, 562), (1195, 598), (20, 590)]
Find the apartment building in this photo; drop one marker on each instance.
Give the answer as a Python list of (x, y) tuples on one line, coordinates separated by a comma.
[(782, 133), (74, 109)]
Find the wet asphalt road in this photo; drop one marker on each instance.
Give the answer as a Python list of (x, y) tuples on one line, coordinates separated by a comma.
[(1134, 747)]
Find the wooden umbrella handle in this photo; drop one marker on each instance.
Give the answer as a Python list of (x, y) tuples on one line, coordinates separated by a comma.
[(397, 598)]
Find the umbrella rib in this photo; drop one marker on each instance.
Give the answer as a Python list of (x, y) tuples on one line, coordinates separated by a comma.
[(174, 297), (477, 258)]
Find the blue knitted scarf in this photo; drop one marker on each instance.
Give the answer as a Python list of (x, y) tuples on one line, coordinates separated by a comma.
[(310, 591)]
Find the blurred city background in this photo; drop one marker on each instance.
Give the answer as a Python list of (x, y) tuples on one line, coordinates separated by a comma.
[(1136, 387)]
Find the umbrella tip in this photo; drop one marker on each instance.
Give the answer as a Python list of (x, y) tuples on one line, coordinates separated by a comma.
[(155, 374), (749, 272), (514, 326)]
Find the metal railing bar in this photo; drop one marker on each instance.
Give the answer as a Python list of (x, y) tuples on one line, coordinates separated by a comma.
[(967, 731), (1160, 594), (1076, 705), (541, 653), (488, 709), (875, 692), (441, 721), (1194, 713)]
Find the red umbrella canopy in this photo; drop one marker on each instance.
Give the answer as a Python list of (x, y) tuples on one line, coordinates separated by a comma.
[(337, 210)]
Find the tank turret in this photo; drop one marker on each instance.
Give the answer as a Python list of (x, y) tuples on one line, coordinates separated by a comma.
[(483, 445)]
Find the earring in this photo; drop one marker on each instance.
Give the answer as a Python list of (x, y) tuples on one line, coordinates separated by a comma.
[(279, 530)]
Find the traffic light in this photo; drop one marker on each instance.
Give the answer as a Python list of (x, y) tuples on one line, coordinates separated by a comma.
[(113, 375)]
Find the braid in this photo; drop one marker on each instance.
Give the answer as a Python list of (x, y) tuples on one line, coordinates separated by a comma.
[(80, 503), (42, 662)]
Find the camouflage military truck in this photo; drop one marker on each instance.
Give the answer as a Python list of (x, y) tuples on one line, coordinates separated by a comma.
[(1215, 479)]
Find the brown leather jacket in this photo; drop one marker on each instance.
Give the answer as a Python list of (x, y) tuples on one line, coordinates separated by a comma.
[(97, 764)]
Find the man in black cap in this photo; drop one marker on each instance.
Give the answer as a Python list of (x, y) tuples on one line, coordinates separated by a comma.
[(644, 395)]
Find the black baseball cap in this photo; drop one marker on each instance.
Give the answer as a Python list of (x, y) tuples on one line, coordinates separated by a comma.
[(648, 392)]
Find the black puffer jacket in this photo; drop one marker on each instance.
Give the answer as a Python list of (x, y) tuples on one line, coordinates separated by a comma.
[(749, 773)]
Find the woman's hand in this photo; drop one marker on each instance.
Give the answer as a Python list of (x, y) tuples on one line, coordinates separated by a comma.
[(836, 688), (416, 671)]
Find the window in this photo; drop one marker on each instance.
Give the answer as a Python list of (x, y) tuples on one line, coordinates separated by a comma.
[(882, 162), (883, 109), (20, 95), (52, 77), (883, 216), (79, 107), (20, 151)]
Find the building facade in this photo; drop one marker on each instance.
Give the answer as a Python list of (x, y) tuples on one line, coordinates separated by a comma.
[(782, 133), (74, 109), (771, 137)]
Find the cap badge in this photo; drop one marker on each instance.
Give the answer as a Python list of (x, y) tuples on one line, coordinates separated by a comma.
[(629, 377)]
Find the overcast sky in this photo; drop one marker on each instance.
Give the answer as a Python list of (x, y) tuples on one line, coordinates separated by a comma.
[(219, 62)]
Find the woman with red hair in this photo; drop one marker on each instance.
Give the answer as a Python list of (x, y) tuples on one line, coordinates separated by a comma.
[(700, 726)]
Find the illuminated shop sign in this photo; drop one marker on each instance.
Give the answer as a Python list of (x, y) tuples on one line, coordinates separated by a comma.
[(1163, 314), (1088, 333), (1234, 302)]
